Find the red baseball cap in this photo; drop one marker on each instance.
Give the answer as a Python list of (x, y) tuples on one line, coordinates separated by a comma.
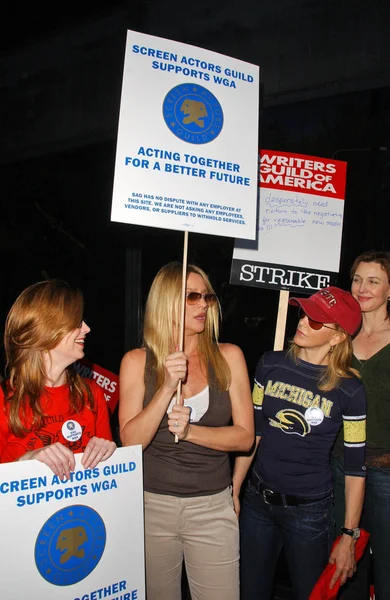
[(332, 305)]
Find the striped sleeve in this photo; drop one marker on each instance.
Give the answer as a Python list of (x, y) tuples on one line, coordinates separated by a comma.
[(257, 397), (354, 426)]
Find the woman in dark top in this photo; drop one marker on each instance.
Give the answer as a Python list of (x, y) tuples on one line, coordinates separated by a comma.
[(301, 399), (371, 287)]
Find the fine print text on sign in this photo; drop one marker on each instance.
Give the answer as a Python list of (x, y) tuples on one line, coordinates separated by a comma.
[(186, 150), (300, 219)]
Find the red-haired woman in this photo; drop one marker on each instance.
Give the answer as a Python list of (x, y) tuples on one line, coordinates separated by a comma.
[(47, 411)]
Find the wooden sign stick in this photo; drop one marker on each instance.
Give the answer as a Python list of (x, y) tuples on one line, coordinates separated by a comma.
[(182, 314), (281, 320)]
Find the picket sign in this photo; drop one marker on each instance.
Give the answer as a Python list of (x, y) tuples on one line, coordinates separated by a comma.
[(281, 320), (178, 164), (107, 380), (187, 154), (179, 399), (73, 539)]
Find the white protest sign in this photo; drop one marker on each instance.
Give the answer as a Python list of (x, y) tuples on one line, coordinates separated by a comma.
[(301, 208), (81, 539), (187, 143)]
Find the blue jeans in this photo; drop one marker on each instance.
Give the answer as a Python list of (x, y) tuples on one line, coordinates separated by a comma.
[(305, 532), (376, 520)]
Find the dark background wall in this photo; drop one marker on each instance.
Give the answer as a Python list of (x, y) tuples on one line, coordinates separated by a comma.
[(325, 91)]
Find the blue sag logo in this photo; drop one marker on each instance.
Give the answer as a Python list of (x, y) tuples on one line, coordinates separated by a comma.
[(70, 545), (193, 113)]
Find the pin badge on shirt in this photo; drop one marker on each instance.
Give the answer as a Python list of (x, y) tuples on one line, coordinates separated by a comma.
[(314, 416), (71, 430)]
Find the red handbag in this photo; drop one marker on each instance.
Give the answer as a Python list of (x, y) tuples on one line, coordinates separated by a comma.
[(321, 589)]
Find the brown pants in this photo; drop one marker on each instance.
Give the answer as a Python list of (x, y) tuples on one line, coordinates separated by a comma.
[(203, 530)]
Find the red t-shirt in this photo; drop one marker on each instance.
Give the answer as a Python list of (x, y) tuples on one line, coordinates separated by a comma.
[(59, 421)]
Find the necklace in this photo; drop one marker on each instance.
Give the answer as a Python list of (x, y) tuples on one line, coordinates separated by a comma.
[(368, 335)]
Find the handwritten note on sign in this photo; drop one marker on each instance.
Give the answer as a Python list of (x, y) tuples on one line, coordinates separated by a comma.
[(300, 219)]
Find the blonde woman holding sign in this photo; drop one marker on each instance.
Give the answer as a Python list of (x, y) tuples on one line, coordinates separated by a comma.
[(188, 502)]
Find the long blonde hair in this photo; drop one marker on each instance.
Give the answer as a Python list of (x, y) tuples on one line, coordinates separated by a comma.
[(162, 311), (339, 362), (39, 319)]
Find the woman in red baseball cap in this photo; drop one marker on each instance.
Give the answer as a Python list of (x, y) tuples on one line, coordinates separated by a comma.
[(301, 398)]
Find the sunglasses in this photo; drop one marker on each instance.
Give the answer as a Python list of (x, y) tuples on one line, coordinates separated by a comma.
[(316, 325), (194, 298)]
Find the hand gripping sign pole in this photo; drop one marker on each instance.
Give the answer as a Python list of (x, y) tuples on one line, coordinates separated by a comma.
[(178, 165), (280, 331), (182, 314)]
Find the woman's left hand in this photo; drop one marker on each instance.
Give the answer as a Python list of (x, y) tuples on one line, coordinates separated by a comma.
[(344, 557), (96, 451), (179, 421)]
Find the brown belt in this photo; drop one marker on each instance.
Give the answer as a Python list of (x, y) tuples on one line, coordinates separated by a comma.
[(379, 461)]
